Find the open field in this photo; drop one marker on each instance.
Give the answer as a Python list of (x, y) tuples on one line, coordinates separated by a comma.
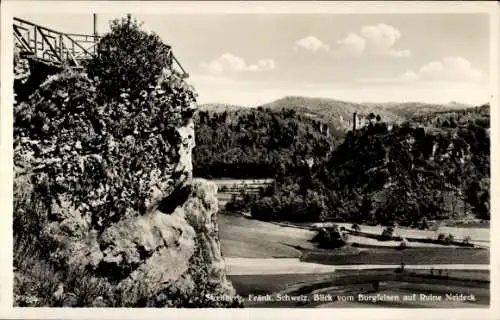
[(265, 258), (476, 234), (480, 236), (364, 241), (410, 256), (248, 238)]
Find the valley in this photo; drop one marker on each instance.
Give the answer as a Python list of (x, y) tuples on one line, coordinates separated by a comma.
[(269, 258)]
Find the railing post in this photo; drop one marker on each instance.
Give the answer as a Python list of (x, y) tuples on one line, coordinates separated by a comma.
[(61, 47), (36, 41), (28, 34)]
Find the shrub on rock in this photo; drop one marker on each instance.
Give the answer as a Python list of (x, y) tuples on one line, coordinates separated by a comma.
[(103, 159), (128, 58)]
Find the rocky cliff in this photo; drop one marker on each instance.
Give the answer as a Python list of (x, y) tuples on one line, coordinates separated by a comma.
[(114, 190)]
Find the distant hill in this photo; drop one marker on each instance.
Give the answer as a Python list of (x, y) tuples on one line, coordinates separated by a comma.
[(411, 109), (339, 113), (336, 111), (219, 107)]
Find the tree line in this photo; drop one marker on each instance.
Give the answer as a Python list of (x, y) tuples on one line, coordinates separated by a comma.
[(431, 167), (259, 143)]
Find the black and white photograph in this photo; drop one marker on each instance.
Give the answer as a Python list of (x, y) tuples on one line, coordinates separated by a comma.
[(250, 155)]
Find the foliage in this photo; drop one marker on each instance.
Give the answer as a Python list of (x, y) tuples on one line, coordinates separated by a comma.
[(404, 174), (330, 238), (258, 143), (387, 233), (449, 239), (36, 280), (99, 156), (128, 58)]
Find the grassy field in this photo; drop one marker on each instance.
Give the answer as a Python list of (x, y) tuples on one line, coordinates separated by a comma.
[(476, 234), (248, 242), (408, 256), (243, 238), (248, 238)]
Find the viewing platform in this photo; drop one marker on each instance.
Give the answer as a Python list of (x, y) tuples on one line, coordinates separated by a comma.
[(61, 49)]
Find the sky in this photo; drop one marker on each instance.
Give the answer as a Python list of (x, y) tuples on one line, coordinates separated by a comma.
[(251, 59)]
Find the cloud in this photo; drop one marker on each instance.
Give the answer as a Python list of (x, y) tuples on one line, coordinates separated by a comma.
[(448, 69), (265, 64), (311, 43), (352, 43), (398, 53), (378, 39), (230, 62), (380, 36)]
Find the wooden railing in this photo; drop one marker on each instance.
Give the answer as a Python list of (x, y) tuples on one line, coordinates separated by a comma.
[(53, 46), (59, 48)]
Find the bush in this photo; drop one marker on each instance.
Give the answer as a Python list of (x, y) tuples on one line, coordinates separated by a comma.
[(235, 204), (387, 233), (330, 238), (356, 227), (424, 224), (91, 153), (98, 143), (441, 237), (128, 58), (449, 239), (264, 209)]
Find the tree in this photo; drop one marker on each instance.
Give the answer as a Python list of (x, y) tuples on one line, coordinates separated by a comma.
[(387, 234), (128, 58), (449, 239), (330, 238)]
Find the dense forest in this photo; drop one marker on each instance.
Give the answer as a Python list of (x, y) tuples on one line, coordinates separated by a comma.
[(259, 143), (434, 166)]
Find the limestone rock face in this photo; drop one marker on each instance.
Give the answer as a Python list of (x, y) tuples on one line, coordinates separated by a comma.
[(121, 198), (201, 212)]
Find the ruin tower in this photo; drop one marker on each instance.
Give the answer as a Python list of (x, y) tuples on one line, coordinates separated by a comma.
[(354, 120)]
